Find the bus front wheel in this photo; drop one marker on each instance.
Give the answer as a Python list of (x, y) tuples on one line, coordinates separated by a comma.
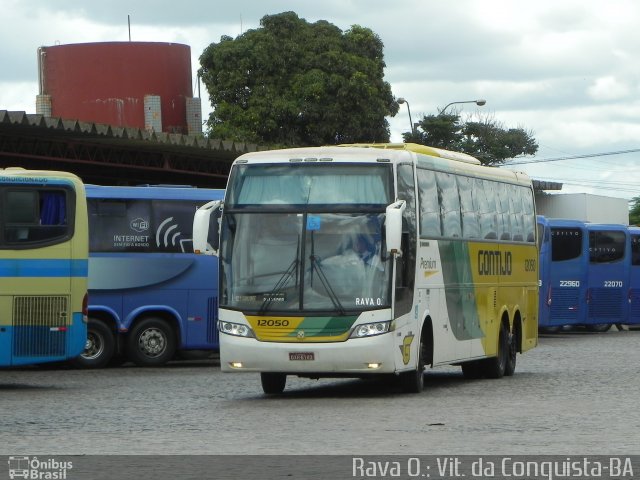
[(273, 383), (413, 381), (99, 348), (151, 343)]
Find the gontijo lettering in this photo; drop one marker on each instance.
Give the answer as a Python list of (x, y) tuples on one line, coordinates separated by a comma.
[(494, 262)]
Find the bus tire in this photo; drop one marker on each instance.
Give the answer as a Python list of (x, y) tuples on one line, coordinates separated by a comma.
[(413, 381), (151, 343), (473, 370), (598, 327), (510, 367), (495, 367), (273, 383), (99, 348), (554, 329)]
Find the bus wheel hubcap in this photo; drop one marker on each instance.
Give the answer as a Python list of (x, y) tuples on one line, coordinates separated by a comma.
[(152, 342), (93, 347)]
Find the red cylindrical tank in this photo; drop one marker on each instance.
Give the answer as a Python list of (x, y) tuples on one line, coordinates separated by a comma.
[(107, 82)]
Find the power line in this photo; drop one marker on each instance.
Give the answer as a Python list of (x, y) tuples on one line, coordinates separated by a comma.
[(572, 157)]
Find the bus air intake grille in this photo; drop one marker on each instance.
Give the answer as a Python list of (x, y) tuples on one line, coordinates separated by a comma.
[(40, 326), (565, 304), (606, 304), (212, 320)]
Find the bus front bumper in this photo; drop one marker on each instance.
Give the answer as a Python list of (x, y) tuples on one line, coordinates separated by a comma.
[(353, 357)]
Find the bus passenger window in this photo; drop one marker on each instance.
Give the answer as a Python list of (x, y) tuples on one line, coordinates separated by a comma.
[(429, 207)]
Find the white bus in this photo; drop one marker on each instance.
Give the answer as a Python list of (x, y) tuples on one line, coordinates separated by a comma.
[(373, 259)]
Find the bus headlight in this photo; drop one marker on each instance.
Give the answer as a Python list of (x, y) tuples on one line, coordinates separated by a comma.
[(371, 329), (236, 329)]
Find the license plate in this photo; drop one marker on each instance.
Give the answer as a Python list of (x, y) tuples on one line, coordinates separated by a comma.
[(301, 356)]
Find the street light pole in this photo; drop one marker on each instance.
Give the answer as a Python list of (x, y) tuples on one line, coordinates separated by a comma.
[(404, 100), (480, 102)]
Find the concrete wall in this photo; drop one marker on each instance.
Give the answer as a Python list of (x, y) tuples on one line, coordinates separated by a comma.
[(584, 206)]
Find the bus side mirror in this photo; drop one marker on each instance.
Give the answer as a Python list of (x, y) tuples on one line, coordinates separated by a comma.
[(201, 221), (393, 230)]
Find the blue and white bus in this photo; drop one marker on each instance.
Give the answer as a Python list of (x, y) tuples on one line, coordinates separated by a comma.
[(149, 294)]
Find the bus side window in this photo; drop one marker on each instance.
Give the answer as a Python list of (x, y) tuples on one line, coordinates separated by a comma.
[(449, 204), (429, 208), (485, 199)]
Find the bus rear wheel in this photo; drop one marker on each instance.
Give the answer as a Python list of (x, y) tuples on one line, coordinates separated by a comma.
[(598, 327), (273, 383), (99, 348), (495, 367), (473, 370), (510, 367), (151, 343)]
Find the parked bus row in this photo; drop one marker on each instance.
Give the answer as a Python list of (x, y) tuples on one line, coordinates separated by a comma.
[(149, 296), (589, 274)]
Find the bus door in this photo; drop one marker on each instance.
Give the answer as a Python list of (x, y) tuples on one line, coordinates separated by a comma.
[(634, 277), (566, 294), (608, 275)]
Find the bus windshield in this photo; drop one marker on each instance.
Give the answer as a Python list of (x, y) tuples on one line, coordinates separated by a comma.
[(316, 243), (304, 184), (292, 262)]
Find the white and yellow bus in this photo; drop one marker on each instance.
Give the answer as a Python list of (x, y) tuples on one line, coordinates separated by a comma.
[(361, 260), (43, 266)]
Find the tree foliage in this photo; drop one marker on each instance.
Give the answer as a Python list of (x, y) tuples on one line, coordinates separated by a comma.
[(634, 212), (292, 83), (485, 138)]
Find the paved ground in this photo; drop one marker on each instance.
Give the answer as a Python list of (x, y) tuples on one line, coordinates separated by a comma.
[(575, 394)]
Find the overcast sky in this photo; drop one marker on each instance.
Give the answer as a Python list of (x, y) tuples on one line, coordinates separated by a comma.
[(567, 70)]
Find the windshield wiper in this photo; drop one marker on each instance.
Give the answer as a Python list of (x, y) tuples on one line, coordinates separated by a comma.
[(282, 281), (279, 284), (315, 264)]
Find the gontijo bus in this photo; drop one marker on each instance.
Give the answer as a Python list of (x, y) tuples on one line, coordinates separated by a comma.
[(43, 266), (373, 259)]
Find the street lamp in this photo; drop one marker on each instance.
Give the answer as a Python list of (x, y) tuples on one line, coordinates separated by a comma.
[(479, 102), (404, 100)]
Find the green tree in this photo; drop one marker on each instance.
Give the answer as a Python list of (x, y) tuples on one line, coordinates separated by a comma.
[(485, 138), (292, 83), (634, 212)]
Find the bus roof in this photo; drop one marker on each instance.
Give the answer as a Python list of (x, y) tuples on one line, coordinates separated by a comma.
[(23, 172), (417, 148), (429, 157)]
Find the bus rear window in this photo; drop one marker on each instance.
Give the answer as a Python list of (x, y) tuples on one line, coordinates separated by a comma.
[(34, 216), (606, 246), (566, 244)]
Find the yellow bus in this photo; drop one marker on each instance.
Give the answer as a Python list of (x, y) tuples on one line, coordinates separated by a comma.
[(43, 266), (362, 260)]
